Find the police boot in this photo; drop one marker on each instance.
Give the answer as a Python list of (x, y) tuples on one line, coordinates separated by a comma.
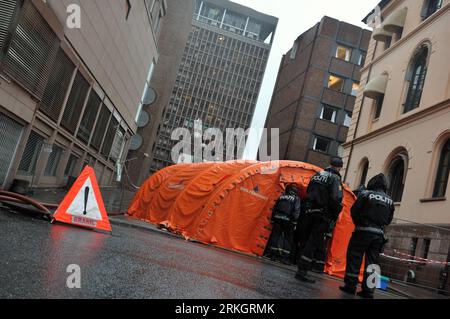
[(348, 290), (365, 294), (318, 267), (302, 276)]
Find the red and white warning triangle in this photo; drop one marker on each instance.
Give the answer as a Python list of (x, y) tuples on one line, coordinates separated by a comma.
[(83, 204)]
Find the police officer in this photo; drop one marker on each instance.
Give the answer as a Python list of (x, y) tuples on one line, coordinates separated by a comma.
[(359, 190), (323, 206), (371, 213), (284, 219)]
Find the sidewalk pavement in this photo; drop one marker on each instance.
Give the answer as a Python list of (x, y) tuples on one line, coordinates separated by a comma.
[(414, 292)]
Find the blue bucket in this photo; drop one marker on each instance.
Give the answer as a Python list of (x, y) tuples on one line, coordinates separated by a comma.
[(383, 283)]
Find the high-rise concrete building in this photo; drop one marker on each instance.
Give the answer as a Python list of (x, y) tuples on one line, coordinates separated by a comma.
[(217, 80), (314, 95), (72, 75), (171, 42), (401, 127)]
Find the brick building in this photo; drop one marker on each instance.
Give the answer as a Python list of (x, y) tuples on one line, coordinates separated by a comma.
[(315, 91)]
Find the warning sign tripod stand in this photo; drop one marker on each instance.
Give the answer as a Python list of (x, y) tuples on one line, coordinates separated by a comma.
[(83, 205)]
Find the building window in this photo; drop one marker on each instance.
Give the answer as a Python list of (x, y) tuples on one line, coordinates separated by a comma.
[(253, 29), (387, 44), (348, 119), (118, 145), (343, 53), (364, 171), (413, 246), (214, 14), (294, 50), (9, 12), (234, 22), (362, 59), (110, 136), (75, 104), (88, 161), (336, 83), (378, 102), (70, 167), (53, 161), (430, 7), (340, 151), (10, 132), (89, 116), (355, 88), (57, 86), (100, 128), (441, 181), (32, 50), (416, 79), (396, 177), (321, 144), (31, 154), (426, 248), (328, 113)]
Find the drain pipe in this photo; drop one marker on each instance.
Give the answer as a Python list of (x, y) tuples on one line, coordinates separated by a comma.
[(17, 198)]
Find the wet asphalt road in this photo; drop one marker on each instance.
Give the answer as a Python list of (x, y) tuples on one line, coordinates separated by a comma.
[(134, 263)]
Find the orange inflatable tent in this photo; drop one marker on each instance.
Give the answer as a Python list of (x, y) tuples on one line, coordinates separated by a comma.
[(230, 204)]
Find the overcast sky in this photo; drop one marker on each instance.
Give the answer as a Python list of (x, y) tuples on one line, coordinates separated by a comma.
[(295, 17)]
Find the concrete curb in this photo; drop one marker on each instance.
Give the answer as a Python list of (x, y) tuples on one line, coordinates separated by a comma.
[(140, 225)]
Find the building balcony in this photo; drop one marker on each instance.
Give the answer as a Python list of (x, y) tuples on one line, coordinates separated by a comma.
[(333, 97), (228, 27), (341, 67)]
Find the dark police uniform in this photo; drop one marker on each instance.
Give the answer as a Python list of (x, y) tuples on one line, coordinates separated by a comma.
[(372, 211), (284, 219), (323, 206)]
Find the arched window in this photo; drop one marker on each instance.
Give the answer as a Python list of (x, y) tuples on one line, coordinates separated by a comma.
[(440, 184), (364, 171), (396, 177), (416, 78), (430, 7)]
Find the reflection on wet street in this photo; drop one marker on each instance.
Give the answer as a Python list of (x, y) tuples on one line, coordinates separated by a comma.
[(135, 263)]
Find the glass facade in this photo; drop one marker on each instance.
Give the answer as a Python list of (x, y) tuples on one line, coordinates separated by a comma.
[(234, 22)]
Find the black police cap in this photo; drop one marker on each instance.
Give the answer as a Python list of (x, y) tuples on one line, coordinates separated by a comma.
[(336, 162)]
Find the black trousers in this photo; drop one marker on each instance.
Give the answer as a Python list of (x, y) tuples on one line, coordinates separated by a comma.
[(315, 247), (301, 235), (362, 244), (281, 241), (303, 230)]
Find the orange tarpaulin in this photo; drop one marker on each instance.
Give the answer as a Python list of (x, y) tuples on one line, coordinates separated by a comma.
[(230, 204)]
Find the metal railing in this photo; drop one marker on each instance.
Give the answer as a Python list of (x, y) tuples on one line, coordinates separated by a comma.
[(227, 27)]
